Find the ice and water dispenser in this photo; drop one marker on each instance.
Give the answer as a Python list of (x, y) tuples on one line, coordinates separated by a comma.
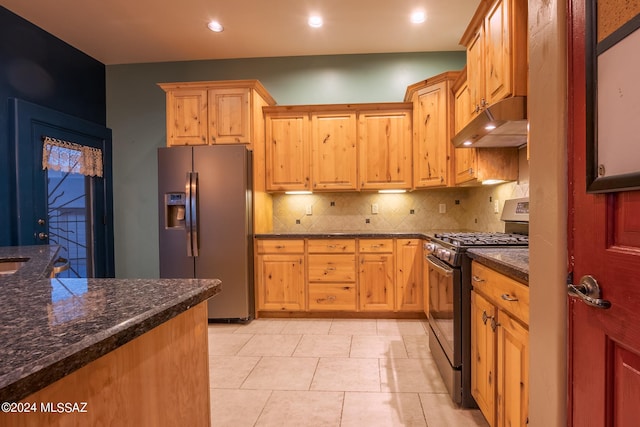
[(175, 209)]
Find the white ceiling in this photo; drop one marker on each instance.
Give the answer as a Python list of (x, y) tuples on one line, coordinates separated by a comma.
[(137, 31)]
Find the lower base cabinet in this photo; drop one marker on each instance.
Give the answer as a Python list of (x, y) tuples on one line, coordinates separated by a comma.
[(500, 347), (339, 275)]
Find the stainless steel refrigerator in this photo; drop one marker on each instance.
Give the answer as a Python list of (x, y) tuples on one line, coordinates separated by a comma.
[(205, 206)]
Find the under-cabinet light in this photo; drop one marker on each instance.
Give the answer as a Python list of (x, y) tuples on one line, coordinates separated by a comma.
[(298, 192), (493, 181), (392, 191)]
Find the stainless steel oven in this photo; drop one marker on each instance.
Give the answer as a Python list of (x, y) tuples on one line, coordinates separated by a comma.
[(449, 283)]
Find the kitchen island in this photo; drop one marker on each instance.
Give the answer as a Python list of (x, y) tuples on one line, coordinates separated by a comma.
[(101, 351)]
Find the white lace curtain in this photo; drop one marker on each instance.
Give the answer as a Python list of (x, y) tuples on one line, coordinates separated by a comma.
[(69, 157)]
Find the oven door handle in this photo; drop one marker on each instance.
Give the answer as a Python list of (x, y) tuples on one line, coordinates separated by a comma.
[(440, 266)]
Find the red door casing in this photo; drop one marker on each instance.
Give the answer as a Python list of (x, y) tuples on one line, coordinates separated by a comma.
[(604, 242)]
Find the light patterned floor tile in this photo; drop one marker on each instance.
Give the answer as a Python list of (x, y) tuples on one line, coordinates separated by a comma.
[(383, 347), (270, 345), (383, 410), (263, 326), (282, 373), (347, 374), (353, 327), (323, 346), (307, 326), (410, 375), (237, 408), (400, 327), (302, 408), (440, 411), (230, 371), (223, 328), (227, 344), (417, 346)]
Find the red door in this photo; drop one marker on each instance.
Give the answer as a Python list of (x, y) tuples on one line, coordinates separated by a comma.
[(604, 242)]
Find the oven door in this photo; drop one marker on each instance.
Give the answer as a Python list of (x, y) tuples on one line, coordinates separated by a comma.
[(444, 308)]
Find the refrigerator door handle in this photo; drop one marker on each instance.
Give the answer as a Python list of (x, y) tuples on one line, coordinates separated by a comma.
[(191, 216), (187, 217), (193, 202)]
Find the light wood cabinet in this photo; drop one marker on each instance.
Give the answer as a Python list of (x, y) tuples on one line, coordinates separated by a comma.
[(409, 259), (334, 161), (332, 274), (287, 151), (376, 274), (280, 275), (475, 165), (432, 130), (385, 149), (497, 63), (214, 112), (500, 347)]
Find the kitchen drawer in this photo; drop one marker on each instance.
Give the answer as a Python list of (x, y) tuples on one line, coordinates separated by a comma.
[(332, 296), (332, 268), (268, 246), (326, 246), (375, 245), (506, 293)]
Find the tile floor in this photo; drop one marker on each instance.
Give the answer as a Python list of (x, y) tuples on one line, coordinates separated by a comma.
[(324, 372)]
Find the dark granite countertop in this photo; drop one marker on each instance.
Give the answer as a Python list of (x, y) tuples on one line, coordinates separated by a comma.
[(52, 327), (346, 235), (512, 262)]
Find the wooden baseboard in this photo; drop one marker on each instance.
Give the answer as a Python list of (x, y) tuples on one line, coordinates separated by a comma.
[(342, 314)]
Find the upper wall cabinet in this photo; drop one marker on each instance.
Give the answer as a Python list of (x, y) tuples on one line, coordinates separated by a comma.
[(287, 151), (432, 130), (384, 139), (338, 147), (216, 112), (496, 42), (334, 161)]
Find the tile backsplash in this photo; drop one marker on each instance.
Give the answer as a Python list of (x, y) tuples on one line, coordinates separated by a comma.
[(442, 209)]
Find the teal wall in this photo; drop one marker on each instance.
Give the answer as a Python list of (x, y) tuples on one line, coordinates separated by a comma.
[(136, 114)]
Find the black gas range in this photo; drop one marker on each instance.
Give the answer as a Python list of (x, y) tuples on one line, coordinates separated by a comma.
[(449, 281)]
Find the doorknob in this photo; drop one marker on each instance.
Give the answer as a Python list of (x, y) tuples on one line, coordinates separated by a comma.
[(589, 292)]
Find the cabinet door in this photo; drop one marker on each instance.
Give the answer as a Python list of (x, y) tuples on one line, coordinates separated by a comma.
[(384, 140), (513, 372), (333, 151), (187, 117), (465, 160), (463, 107), (483, 351), (229, 118), (476, 71), (497, 47), (375, 279), (280, 282), (431, 141), (408, 275), (287, 152)]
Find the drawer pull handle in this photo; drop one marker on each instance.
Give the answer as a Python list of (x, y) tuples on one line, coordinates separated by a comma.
[(331, 246), (330, 269), (508, 297), (485, 317), (477, 279), (279, 246)]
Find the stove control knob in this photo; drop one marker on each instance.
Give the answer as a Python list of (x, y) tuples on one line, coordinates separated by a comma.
[(446, 255), (430, 247), (440, 253)]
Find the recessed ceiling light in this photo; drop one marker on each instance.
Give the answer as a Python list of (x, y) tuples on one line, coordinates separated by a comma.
[(315, 21), (418, 17), (215, 26)]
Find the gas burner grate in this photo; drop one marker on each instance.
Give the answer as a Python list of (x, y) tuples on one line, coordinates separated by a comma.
[(483, 239)]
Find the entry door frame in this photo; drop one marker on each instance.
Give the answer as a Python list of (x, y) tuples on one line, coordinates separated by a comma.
[(26, 123)]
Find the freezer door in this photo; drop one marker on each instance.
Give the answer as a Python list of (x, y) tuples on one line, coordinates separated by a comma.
[(174, 167), (224, 232)]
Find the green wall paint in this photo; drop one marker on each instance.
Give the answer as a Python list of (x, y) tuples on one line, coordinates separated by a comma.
[(136, 114)]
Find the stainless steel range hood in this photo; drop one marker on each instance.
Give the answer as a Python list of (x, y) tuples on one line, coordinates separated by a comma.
[(503, 124)]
